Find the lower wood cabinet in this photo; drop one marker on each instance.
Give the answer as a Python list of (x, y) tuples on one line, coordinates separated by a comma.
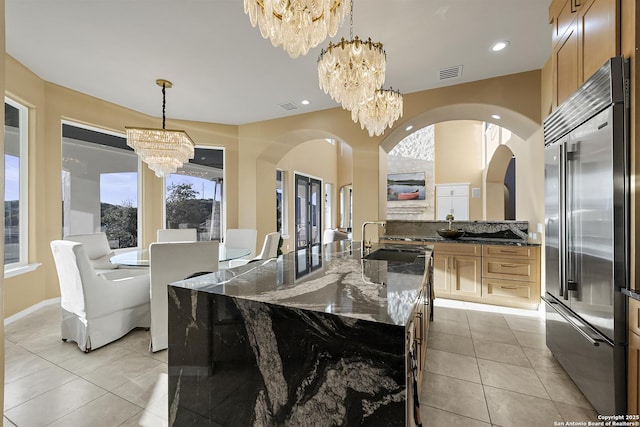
[(495, 274), (633, 359), (511, 275), (457, 272)]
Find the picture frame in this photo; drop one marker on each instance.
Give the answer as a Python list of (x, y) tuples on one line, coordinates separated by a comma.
[(406, 186)]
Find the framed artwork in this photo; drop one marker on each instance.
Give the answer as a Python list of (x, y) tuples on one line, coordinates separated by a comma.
[(406, 186)]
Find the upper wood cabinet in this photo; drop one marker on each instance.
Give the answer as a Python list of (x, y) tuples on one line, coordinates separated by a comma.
[(585, 35), (598, 35)]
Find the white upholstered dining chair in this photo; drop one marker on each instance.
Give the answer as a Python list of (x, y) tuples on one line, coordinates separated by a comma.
[(241, 238), (96, 246), (269, 250), (98, 308), (177, 235), (170, 262)]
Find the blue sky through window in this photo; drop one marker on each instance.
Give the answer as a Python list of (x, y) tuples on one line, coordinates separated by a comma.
[(117, 188)]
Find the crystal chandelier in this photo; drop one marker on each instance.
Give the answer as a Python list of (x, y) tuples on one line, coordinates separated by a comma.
[(297, 25), (164, 150), (379, 112), (351, 71)]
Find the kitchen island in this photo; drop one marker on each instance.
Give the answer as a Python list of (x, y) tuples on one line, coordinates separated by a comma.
[(319, 337)]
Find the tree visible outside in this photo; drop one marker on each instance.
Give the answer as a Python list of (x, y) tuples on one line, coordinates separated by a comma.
[(120, 224), (184, 210)]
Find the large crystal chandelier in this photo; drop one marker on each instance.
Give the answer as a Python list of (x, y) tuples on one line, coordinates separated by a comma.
[(164, 150), (379, 112), (297, 25), (351, 71)]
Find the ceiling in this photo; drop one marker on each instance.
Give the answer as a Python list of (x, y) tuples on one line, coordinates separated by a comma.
[(223, 71)]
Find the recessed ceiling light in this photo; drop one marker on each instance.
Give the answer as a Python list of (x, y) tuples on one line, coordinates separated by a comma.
[(495, 116), (408, 128), (305, 102), (498, 46)]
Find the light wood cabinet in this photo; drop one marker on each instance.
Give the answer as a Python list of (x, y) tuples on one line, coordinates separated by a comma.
[(565, 65), (633, 366), (585, 35), (457, 270), (495, 274), (598, 35), (511, 274)]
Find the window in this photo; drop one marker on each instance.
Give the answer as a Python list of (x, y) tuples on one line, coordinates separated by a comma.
[(194, 196), (281, 203), (15, 185), (100, 185), (308, 211)]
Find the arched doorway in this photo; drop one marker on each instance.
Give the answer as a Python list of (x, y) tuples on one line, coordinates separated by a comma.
[(500, 190)]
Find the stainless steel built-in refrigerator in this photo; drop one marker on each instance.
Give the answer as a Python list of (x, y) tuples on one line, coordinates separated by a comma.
[(586, 239)]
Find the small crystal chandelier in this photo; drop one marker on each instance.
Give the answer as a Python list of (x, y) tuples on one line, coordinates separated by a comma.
[(351, 71), (297, 25), (379, 112), (164, 150)]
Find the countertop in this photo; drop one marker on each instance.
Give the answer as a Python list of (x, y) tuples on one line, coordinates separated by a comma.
[(631, 294), (467, 240), (331, 279)]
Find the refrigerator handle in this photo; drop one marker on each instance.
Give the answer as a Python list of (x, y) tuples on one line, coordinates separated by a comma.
[(573, 322), (569, 282)]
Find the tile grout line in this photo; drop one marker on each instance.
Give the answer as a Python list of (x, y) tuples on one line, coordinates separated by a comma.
[(77, 376), (484, 393)]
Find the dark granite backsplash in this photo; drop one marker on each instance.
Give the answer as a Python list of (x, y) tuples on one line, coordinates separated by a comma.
[(504, 230)]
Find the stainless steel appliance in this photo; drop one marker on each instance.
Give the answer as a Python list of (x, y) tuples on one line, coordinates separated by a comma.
[(586, 241)]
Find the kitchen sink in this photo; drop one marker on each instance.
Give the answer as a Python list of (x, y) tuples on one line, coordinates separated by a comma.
[(394, 255)]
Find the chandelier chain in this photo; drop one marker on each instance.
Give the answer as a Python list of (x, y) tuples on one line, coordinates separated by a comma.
[(351, 22), (164, 103)]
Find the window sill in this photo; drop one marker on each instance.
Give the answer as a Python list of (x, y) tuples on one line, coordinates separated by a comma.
[(20, 269)]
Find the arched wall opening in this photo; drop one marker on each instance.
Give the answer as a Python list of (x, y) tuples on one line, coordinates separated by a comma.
[(522, 139), (314, 153), (496, 192)]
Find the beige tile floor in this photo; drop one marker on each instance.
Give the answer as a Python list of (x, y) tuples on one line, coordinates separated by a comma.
[(489, 366), (485, 366)]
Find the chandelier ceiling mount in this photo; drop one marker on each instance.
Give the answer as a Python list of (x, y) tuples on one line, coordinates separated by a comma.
[(164, 150)]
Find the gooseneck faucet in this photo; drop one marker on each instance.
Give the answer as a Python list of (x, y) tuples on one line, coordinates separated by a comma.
[(365, 244)]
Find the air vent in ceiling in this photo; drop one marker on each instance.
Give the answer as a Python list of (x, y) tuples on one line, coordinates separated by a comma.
[(450, 73), (289, 106)]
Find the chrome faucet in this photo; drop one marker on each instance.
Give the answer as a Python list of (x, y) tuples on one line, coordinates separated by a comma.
[(367, 245)]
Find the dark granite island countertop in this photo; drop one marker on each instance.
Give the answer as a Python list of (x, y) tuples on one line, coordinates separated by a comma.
[(317, 338)]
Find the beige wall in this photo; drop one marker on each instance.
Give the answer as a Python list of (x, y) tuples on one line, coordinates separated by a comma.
[(252, 153), (458, 158), (317, 159)]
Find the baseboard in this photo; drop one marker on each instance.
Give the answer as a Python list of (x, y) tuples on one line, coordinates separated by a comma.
[(29, 310)]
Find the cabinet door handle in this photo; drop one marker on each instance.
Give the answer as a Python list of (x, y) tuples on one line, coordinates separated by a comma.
[(504, 251), (510, 265), (508, 287)]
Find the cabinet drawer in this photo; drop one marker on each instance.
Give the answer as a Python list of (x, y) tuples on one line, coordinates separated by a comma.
[(510, 269), (456, 249), (508, 291), (634, 316), (509, 251)]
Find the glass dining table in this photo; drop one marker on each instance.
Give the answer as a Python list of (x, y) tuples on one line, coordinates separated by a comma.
[(140, 257)]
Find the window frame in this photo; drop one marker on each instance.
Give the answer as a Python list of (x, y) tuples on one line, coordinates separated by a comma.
[(284, 232), (139, 171), (223, 213), (23, 123)]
